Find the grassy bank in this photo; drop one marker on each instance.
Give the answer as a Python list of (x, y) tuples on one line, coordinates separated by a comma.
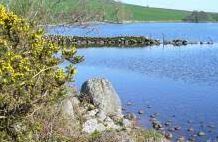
[(71, 11), (114, 11)]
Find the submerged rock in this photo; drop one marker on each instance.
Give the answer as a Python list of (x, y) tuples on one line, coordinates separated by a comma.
[(211, 126), (167, 123), (181, 139), (129, 103), (191, 139), (141, 112), (201, 133), (191, 129), (177, 128)]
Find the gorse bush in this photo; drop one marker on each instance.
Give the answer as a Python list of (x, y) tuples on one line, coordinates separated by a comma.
[(30, 77)]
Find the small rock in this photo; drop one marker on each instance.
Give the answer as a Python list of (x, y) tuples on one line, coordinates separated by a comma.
[(153, 119), (123, 109), (157, 125), (171, 129), (130, 116), (167, 123), (68, 109), (108, 119), (191, 139), (126, 123), (161, 129), (91, 113), (177, 128), (189, 121), (194, 135), (181, 139), (116, 118), (211, 126), (101, 115), (92, 125), (191, 129), (156, 114), (200, 134), (75, 101), (141, 112), (153, 116), (169, 135), (148, 106), (129, 103), (109, 123)]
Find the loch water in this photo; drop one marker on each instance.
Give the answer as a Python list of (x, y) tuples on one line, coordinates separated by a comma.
[(178, 83)]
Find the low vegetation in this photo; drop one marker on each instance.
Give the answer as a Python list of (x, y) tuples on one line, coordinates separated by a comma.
[(201, 16), (32, 84), (80, 11), (30, 78)]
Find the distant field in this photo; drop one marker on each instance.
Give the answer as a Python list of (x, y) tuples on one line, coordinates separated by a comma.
[(112, 11), (116, 11), (155, 14)]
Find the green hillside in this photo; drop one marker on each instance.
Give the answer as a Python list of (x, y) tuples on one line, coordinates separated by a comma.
[(114, 11), (62, 11), (140, 13)]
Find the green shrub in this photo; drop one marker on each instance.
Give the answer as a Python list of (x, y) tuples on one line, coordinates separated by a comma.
[(95, 135), (30, 77)]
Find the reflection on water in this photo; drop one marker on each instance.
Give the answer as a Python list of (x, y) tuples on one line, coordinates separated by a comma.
[(197, 64), (188, 31), (180, 81)]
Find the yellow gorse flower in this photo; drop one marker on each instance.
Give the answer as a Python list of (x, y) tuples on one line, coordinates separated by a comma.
[(29, 72)]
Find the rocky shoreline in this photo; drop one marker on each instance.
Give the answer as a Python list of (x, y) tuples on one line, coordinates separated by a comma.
[(97, 109), (120, 41)]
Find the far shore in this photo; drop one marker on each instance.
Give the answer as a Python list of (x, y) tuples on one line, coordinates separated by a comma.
[(123, 22)]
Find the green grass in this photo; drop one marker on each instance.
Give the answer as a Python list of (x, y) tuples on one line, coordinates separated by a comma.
[(115, 12), (155, 14)]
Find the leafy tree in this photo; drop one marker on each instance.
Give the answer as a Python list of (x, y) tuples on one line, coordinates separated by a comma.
[(197, 17), (30, 76), (215, 16)]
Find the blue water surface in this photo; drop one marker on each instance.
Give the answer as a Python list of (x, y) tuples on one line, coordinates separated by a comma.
[(179, 83), (188, 31)]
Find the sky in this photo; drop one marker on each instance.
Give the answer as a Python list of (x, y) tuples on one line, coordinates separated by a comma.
[(205, 5)]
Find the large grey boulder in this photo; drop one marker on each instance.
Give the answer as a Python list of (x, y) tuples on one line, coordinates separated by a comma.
[(101, 93)]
